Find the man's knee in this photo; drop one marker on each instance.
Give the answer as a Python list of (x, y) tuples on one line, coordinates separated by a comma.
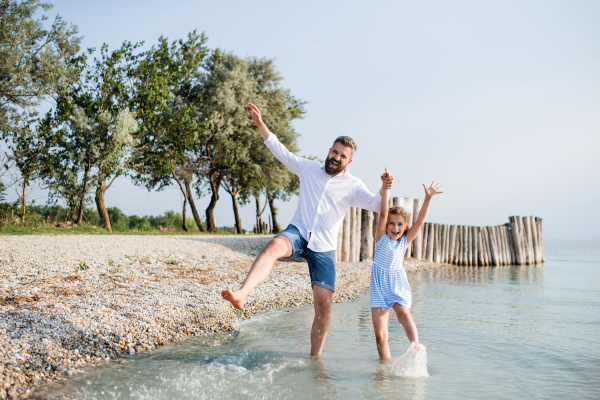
[(278, 247), (323, 307)]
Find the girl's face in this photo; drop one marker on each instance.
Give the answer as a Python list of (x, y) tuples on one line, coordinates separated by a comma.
[(396, 224)]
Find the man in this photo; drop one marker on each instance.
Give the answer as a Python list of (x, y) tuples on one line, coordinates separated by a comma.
[(326, 193)]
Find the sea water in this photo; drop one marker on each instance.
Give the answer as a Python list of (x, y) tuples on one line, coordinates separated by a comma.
[(519, 332)]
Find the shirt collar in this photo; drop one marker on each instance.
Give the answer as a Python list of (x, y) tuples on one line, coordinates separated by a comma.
[(346, 173)]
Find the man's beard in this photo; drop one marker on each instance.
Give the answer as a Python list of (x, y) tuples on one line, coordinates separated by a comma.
[(332, 169)]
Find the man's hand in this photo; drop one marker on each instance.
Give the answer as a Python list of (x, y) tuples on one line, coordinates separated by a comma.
[(257, 119), (387, 180), (255, 113)]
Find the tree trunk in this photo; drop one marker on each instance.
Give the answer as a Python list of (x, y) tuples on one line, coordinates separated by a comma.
[(101, 206), (83, 193), (190, 196), (259, 223), (184, 214), (276, 228), (23, 200), (236, 214), (215, 183)]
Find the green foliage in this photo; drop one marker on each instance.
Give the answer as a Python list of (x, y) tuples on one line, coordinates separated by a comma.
[(35, 60), (83, 266)]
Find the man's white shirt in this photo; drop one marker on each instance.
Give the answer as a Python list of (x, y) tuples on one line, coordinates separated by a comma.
[(323, 200)]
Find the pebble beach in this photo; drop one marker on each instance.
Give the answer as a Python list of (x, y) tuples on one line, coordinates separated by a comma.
[(70, 303)]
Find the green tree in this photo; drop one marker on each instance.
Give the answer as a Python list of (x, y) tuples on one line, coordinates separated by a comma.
[(34, 60), (223, 90), (170, 123), (280, 108), (92, 131)]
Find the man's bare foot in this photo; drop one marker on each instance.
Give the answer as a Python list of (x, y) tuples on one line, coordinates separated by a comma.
[(235, 298)]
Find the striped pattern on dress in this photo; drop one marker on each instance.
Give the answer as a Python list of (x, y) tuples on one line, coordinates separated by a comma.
[(389, 284)]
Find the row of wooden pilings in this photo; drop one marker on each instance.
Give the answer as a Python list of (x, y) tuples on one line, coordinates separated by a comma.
[(517, 242)]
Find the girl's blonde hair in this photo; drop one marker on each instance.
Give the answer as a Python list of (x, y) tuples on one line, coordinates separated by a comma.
[(401, 212)]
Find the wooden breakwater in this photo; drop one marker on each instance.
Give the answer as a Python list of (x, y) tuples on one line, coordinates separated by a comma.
[(518, 242)]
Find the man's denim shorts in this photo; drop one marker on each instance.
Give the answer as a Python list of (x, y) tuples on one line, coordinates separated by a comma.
[(321, 266)]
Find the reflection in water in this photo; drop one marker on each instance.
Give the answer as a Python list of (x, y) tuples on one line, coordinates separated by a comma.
[(494, 333)]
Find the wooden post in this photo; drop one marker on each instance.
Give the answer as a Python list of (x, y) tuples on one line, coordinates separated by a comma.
[(498, 245), (469, 237), (486, 244), (474, 246), (395, 201), (505, 244), (425, 230), (443, 232), (465, 245), (534, 239), (451, 244), (358, 232), (437, 249), (352, 248), (375, 222), (527, 235), (407, 204), (540, 238), (491, 247), (509, 246), (430, 241), (458, 247), (366, 236), (270, 224), (516, 237), (417, 244), (340, 239), (346, 238)]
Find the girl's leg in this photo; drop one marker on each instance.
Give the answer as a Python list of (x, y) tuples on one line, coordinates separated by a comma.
[(404, 317), (380, 323)]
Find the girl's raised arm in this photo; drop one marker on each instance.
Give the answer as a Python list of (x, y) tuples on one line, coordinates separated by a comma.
[(385, 206), (416, 228)]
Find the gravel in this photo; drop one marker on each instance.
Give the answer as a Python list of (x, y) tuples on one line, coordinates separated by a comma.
[(71, 302)]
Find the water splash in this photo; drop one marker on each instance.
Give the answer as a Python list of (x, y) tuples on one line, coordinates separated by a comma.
[(412, 364)]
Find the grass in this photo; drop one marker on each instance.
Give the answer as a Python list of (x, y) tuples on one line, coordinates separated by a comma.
[(91, 230), (83, 266)]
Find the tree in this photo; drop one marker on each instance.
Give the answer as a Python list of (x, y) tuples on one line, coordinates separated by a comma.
[(34, 60), (93, 131), (223, 90), (26, 154), (169, 117), (280, 108)]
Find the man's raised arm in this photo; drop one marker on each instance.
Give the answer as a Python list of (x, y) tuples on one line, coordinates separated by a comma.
[(257, 119), (290, 160)]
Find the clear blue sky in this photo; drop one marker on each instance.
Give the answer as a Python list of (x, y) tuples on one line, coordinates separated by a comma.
[(499, 101)]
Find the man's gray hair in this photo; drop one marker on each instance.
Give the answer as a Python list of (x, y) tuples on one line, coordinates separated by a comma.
[(346, 141)]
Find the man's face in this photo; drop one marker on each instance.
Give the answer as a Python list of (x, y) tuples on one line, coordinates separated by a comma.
[(338, 158)]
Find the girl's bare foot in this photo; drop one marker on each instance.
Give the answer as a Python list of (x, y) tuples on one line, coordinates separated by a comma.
[(235, 298)]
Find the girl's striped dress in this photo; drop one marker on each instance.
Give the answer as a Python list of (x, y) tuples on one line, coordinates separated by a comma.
[(389, 284)]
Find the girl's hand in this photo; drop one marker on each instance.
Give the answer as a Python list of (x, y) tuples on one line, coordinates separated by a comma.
[(432, 190)]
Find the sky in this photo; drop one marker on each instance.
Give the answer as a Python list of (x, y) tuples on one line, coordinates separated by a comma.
[(498, 101)]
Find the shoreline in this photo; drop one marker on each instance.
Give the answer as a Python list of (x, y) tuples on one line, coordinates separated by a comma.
[(71, 302)]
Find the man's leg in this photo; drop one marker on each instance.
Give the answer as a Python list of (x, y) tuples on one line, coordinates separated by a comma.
[(277, 248), (323, 299)]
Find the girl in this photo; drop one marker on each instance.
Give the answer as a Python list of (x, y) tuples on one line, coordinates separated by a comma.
[(389, 286)]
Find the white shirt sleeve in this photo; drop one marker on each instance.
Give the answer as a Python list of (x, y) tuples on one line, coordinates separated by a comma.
[(364, 199), (290, 160)]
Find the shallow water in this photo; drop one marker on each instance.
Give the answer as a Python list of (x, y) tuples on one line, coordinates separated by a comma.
[(494, 333)]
